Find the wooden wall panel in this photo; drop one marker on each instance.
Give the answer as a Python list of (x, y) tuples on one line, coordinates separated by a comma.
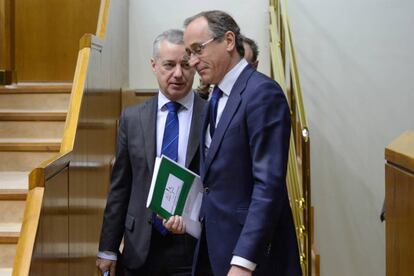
[(6, 34), (399, 193), (135, 96), (48, 34), (51, 250)]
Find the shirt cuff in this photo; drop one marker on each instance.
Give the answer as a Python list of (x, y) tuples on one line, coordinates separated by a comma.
[(239, 261), (107, 255)]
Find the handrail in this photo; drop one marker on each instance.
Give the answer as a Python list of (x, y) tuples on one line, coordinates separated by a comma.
[(48, 168), (285, 72), (28, 232)]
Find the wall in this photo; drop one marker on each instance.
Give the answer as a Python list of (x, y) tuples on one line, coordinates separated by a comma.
[(148, 19), (356, 64)]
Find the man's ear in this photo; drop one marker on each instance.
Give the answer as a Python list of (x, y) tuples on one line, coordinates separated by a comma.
[(230, 39), (153, 64)]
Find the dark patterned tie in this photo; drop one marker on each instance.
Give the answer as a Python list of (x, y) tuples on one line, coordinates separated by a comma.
[(169, 148), (217, 93)]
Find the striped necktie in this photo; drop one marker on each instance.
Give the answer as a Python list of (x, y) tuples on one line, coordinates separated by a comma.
[(169, 148)]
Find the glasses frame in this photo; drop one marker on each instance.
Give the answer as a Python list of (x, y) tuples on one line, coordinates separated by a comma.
[(200, 47)]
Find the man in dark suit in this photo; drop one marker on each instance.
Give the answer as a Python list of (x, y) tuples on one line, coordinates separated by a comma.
[(167, 124), (247, 221)]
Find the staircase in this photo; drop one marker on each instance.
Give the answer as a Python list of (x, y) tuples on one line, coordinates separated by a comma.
[(32, 118)]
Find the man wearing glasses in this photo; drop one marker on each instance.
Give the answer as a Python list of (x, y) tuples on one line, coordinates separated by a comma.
[(247, 221)]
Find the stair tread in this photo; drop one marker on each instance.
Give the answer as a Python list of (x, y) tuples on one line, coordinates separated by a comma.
[(29, 140), (10, 229), (14, 181), (3, 110), (6, 271), (37, 88)]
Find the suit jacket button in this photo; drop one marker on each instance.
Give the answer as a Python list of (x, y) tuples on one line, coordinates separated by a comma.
[(206, 190)]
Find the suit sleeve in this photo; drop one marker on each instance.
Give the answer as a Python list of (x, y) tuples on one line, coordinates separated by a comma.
[(119, 194), (268, 124)]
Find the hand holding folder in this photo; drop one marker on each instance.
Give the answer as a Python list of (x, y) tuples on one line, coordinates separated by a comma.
[(175, 190)]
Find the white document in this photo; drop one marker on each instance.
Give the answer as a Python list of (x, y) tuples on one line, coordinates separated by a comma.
[(171, 193)]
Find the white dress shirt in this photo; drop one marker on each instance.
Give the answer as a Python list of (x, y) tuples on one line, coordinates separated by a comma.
[(226, 85), (185, 113)]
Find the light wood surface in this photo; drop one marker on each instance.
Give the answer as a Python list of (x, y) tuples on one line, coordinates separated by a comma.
[(28, 232), (399, 205), (47, 37), (401, 151), (84, 158)]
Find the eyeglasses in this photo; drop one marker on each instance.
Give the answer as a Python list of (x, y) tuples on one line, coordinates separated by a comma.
[(197, 48)]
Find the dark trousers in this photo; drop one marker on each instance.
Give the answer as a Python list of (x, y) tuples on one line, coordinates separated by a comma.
[(170, 255), (203, 266)]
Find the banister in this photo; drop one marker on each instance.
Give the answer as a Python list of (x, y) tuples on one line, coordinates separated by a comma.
[(56, 164)]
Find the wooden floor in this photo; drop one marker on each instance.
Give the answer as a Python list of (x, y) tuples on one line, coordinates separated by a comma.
[(32, 118)]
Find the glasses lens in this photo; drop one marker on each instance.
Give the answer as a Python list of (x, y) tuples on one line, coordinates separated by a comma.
[(196, 48)]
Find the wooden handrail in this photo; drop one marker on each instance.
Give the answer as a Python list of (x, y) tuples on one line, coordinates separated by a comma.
[(102, 19), (24, 251), (60, 161)]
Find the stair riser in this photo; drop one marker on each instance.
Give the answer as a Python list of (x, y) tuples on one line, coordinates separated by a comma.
[(31, 129), (15, 210), (34, 101), (22, 161), (7, 253)]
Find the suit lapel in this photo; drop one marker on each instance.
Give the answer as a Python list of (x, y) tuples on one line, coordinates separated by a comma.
[(193, 139), (148, 123), (229, 110)]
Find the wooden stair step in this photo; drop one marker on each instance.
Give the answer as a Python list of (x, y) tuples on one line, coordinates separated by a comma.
[(29, 144), (32, 129), (38, 101), (15, 211), (13, 185), (7, 253), (9, 232), (6, 271), (23, 160), (32, 115), (34, 88)]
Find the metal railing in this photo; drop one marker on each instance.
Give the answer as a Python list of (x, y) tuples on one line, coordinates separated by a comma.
[(285, 72)]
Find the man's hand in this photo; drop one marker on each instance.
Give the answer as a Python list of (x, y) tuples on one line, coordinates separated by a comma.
[(175, 225), (105, 265), (239, 271)]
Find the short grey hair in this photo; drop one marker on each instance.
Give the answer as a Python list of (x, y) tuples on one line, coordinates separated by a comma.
[(173, 36), (219, 23), (253, 46)]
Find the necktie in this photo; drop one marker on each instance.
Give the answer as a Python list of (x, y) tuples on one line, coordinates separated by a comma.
[(169, 148), (217, 93)]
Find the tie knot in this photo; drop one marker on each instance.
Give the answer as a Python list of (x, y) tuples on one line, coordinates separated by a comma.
[(217, 93), (173, 106)]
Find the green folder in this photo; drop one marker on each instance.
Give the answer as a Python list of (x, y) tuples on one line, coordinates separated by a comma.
[(175, 190)]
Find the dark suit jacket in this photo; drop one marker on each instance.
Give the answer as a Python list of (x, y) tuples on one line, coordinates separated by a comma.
[(246, 210), (125, 213)]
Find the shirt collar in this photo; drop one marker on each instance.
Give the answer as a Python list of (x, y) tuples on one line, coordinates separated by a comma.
[(186, 102), (227, 83)]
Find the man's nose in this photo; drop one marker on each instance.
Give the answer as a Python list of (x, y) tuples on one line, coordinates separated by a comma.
[(178, 71), (194, 60)]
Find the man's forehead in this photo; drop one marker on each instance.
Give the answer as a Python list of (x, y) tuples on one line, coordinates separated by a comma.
[(196, 30)]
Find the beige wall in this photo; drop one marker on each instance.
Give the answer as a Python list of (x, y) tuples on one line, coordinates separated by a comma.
[(356, 64), (150, 18)]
